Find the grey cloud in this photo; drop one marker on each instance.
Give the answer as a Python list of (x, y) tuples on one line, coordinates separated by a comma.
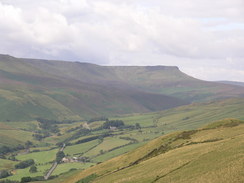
[(131, 32)]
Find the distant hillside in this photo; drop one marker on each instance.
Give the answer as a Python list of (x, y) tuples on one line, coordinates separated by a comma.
[(31, 88), (210, 154), (232, 83)]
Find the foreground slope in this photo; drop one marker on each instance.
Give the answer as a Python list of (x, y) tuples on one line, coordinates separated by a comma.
[(211, 154)]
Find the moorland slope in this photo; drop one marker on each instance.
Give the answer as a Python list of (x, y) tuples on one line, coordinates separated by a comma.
[(32, 88)]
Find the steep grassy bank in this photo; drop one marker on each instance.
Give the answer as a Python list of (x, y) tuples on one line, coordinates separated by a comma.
[(210, 154)]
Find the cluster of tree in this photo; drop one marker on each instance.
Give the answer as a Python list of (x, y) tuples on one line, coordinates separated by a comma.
[(88, 139), (28, 144), (33, 169), (130, 139), (59, 156), (97, 119), (137, 126), (84, 159), (25, 164), (6, 149), (12, 157), (9, 181), (48, 125), (73, 129), (31, 179), (53, 121), (40, 136), (114, 123), (4, 173), (80, 133)]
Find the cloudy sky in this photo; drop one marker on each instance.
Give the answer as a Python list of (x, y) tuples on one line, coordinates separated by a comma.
[(205, 38)]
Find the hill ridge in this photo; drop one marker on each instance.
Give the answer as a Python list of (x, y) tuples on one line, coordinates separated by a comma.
[(89, 90)]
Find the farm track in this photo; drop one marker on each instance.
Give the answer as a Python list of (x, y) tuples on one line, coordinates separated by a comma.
[(54, 166)]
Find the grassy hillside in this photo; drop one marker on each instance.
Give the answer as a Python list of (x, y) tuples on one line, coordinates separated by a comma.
[(67, 90), (189, 116), (210, 154), (103, 148), (71, 90)]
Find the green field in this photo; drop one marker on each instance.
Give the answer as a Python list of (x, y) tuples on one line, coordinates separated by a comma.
[(107, 144), (196, 115), (14, 137), (42, 157), (24, 125), (18, 174), (6, 164), (145, 120), (65, 167), (80, 148)]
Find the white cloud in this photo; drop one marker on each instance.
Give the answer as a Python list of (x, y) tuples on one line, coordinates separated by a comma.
[(192, 34)]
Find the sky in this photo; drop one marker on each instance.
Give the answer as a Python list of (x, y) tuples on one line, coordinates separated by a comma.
[(204, 38)]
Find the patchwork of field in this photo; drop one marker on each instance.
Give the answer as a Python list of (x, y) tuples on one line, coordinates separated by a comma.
[(100, 145)]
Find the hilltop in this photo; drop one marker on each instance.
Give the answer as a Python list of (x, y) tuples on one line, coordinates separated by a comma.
[(32, 88)]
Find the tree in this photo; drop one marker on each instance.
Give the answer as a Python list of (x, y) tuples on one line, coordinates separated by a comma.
[(33, 169), (4, 173), (25, 179), (114, 123), (59, 156), (25, 164), (28, 144), (138, 126)]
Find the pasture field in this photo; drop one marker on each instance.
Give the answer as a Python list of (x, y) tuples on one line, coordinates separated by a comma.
[(196, 115), (67, 126), (145, 120), (107, 144), (80, 148), (41, 157), (96, 124), (15, 137), (83, 137), (65, 167), (24, 125), (6, 164), (142, 135), (19, 173)]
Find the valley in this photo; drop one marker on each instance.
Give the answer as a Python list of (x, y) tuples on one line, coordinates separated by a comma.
[(141, 117), (88, 147)]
